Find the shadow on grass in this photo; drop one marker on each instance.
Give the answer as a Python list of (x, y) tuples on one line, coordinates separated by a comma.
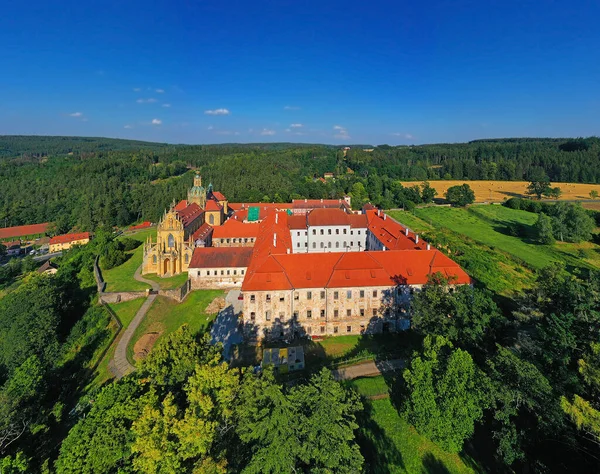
[(432, 465), (377, 448)]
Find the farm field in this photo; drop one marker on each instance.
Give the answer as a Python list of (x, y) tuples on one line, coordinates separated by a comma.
[(490, 225), (498, 191), (166, 315)]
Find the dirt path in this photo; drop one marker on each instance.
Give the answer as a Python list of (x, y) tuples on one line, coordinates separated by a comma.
[(368, 369), (120, 366)]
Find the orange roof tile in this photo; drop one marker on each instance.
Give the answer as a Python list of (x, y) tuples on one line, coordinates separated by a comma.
[(202, 232), (219, 196), (392, 234), (189, 214), (23, 230), (297, 222), (66, 238), (318, 203), (221, 257), (213, 205), (181, 205), (235, 228)]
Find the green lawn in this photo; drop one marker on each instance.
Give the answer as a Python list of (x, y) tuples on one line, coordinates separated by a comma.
[(121, 278), (369, 386), (166, 315), (390, 445), (126, 310), (170, 282)]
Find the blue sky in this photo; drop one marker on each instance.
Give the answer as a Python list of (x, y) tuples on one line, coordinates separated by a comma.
[(327, 71)]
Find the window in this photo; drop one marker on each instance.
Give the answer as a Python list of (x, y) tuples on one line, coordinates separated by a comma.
[(296, 314), (358, 232), (329, 245), (322, 232), (211, 219), (322, 329), (242, 272), (337, 245), (309, 295), (374, 311), (246, 241), (345, 244), (336, 295), (344, 231), (348, 312), (227, 240), (282, 299), (329, 231), (222, 272), (298, 244), (306, 244), (348, 328), (314, 245), (215, 273), (322, 244), (362, 312), (308, 330), (228, 272), (349, 294), (154, 259), (252, 298), (352, 243), (374, 293), (268, 298), (298, 233), (252, 316), (296, 296), (337, 231), (359, 245), (309, 314), (207, 273), (235, 272), (314, 232), (335, 329), (171, 241), (351, 232), (268, 315), (335, 313), (322, 313), (322, 295), (362, 293)]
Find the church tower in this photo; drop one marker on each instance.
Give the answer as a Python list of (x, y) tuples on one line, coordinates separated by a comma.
[(197, 193)]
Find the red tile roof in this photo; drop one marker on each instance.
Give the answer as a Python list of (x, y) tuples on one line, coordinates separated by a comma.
[(23, 230), (219, 196), (318, 203), (181, 205), (392, 234), (66, 238), (143, 225), (297, 222), (358, 221), (263, 205), (12, 245), (221, 257), (213, 205), (322, 217), (190, 213), (234, 228), (202, 232)]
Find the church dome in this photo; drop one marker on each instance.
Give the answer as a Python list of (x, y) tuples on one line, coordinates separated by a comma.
[(197, 189)]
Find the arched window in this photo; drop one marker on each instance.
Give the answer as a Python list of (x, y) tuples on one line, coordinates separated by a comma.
[(211, 219), (154, 259), (187, 258), (171, 241)]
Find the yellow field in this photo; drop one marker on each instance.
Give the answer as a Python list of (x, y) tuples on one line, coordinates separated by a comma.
[(498, 191)]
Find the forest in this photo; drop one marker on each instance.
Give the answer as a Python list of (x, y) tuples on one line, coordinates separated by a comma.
[(82, 183)]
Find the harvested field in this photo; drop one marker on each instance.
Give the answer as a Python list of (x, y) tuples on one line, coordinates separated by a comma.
[(498, 191), (144, 345)]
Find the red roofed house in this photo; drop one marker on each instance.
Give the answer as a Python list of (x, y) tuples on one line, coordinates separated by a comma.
[(23, 232), (302, 206), (13, 248), (235, 233), (219, 267), (143, 225), (66, 241)]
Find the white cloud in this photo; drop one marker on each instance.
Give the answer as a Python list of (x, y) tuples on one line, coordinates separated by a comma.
[(128, 126), (75, 114), (266, 131), (151, 100), (217, 112), (296, 125), (137, 89), (166, 105), (291, 107), (342, 133), (160, 91), (156, 121)]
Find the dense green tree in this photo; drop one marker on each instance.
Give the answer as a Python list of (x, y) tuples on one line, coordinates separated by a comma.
[(427, 192), (543, 229), (571, 223), (461, 195), (464, 315), (539, 183), (444, 398)]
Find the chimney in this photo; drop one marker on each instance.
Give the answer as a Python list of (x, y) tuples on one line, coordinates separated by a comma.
[(275, 239), (406, 231), (384, 216), (288, 250), (417, 239), (321, 199), (305, 200), (276, 218), (428, 247), (378, 212)]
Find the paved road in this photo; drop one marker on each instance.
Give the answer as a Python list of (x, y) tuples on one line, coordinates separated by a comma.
[(225, 327), (120, 366), (368, 369)]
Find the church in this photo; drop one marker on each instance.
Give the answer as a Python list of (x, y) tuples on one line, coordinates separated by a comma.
[(183, 227)]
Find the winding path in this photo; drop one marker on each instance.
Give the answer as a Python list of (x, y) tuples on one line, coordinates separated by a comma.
[(119, 365)]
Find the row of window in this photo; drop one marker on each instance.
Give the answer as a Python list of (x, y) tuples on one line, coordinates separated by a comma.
[(186, 258), (337, 244), (238, 240), (309, 314), (329, 232), (223, 272), (322, 330), (309, 295)]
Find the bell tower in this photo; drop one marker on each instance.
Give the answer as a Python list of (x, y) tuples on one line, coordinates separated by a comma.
[(197, 193)]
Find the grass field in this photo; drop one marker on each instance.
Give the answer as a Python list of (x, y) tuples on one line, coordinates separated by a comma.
[(390, 445), (168, 283), (166, 315), (369, 386), (498, 191), (126, 310), (488, 225)]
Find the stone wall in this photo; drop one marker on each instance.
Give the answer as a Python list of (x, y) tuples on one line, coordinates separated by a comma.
[(119, 297), (216, 278), (177, 294)]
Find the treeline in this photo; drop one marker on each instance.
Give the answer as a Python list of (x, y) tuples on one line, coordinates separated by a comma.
[(83, 183)]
